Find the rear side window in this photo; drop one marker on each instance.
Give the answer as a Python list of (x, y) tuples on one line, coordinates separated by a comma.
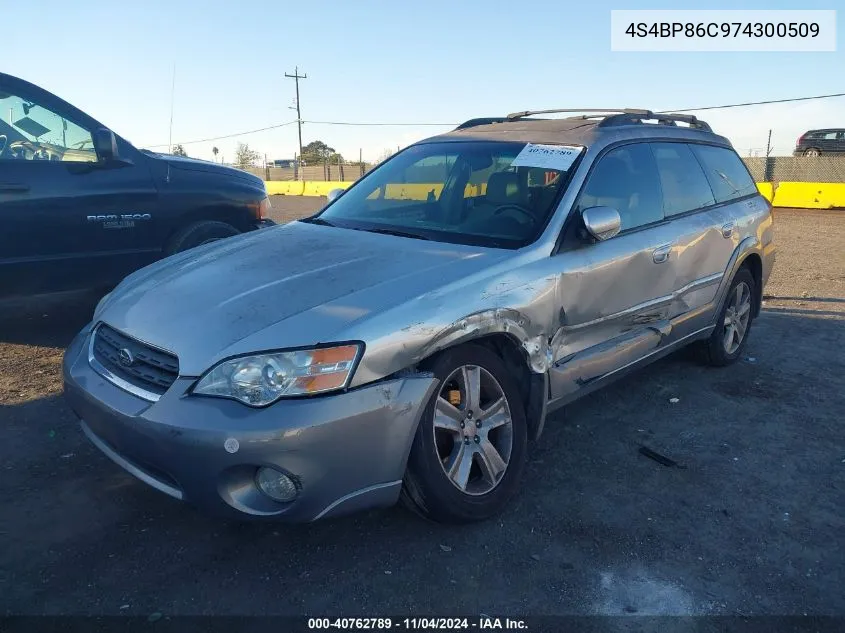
[(726, 172), (626, 179), (685, 188)]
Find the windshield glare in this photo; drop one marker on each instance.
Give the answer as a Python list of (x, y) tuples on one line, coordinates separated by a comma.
[(459, 192)]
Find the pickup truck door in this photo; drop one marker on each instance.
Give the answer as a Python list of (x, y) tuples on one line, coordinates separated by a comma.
[(68, 219)]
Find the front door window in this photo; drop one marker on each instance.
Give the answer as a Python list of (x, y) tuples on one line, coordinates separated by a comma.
[(31, 132)]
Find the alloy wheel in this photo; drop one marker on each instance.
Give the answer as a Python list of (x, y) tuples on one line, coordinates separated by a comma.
[(737, 317), (473, 430)]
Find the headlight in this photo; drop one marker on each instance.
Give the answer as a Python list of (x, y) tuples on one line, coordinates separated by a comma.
[(260, 379)]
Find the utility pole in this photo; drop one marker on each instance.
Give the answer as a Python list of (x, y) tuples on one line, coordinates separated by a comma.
[(770, 163), (296, 77)]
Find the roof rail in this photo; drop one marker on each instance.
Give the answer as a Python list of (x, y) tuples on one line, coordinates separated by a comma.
[(481, 121), (626, 116), (662, 118), (485, 121), (513, 116)]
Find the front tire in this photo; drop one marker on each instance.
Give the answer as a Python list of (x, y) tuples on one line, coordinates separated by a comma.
[(733, 324), (471, 444)]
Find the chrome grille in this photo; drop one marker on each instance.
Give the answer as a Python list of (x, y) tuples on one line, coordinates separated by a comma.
[(142, 366)]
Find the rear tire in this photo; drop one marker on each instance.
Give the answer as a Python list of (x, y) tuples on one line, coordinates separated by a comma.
[(733, 325), (472, 445), (198, 234), (812, 152)]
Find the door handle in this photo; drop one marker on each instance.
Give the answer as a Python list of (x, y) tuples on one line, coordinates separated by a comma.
[(728, 229), (660, 254), (13, 187)]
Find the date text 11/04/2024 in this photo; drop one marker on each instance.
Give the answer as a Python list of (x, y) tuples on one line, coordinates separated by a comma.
[(482, 623)]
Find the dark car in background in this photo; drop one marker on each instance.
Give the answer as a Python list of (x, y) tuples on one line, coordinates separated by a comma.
[(81, 207), (818, 142)]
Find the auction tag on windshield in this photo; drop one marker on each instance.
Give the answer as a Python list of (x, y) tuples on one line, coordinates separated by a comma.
[(558, 157)]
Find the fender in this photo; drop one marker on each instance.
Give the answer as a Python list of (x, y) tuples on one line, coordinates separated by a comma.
[(745, 248), (531, 338), (533, 341)]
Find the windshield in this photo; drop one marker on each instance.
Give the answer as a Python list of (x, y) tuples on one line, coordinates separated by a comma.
[(484, 193)]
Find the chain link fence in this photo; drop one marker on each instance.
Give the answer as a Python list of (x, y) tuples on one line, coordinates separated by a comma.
[(771, 169), (320, 173), (797, 168)]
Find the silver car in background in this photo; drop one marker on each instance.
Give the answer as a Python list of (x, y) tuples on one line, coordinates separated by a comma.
[(411, 339)]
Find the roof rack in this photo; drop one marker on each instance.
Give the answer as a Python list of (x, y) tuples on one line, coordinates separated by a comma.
[(513, 116), (485, 121), (662, 118), (626, 116)]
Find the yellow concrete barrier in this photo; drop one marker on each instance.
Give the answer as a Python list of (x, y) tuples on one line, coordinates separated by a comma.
[(766, 190), (413, 191), (810, 195), (803, 195), (284, 187), (320, 188), (421, 191)]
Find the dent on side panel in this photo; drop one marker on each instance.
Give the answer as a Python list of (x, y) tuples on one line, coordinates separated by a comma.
[(519, 304), (531, 336), (747, 246)]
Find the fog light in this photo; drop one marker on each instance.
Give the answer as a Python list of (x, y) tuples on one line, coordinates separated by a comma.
[(275, 485)]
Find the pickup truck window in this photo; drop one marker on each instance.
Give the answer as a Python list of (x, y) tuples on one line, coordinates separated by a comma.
[(28, 131)]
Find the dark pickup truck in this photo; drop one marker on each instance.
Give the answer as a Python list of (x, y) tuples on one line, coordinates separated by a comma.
[(81, 207)]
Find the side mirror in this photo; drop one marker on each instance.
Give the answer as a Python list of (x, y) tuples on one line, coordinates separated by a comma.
[(602, 222), (334, 194), (105, 144)]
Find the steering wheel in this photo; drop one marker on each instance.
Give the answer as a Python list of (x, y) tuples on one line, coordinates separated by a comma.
[(516, 207), (3, 141)]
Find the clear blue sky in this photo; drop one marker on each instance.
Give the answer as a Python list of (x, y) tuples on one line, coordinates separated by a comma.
[(378, 61)]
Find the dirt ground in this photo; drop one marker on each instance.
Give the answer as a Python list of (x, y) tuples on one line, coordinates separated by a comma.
[(751, 524)]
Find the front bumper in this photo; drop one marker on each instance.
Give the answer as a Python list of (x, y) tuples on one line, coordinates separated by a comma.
[(346, 452)]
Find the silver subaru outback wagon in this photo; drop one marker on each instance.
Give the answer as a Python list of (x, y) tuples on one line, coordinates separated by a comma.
[(410, 340)]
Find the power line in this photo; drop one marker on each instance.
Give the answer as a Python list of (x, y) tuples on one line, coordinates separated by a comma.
[(218, 138), (753, 103), (362, 123), (273, 127)]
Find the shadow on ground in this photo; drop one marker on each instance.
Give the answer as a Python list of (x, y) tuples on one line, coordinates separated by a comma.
[(746, 525), (46, 320)]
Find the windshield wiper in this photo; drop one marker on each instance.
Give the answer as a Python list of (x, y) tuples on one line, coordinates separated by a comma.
[(397, 233), (319, 221)]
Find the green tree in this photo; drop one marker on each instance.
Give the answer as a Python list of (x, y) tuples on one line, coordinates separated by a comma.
[(317, 152), (178, 150), (245, 157)]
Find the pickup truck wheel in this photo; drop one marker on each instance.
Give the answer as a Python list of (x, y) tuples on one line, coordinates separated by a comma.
[(733, 324), (470, 447), (199, 234)]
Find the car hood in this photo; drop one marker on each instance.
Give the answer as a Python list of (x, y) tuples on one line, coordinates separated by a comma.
[(294, 285), (193, 164)]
